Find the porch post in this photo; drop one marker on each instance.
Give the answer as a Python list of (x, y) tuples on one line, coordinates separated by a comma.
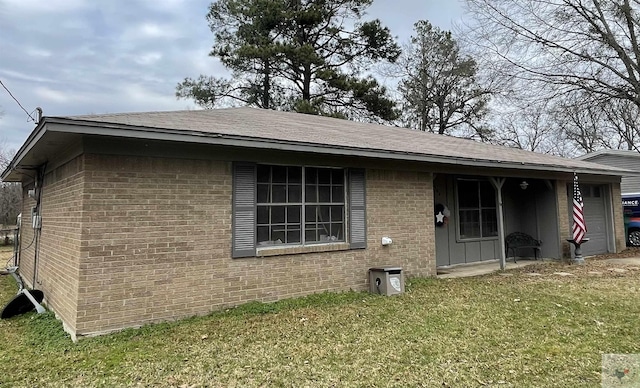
[(497, 184)]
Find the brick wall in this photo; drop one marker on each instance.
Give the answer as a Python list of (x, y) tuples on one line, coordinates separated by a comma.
[(400, 206), (563, 217), (156, 242), (58, 243), (618, 218)]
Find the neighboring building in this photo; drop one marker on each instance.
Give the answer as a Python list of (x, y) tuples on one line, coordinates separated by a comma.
[(630, 186), (628, 160), (147, 217)]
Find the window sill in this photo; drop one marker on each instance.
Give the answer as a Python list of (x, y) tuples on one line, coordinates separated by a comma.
[(476, 239), (294, 250)]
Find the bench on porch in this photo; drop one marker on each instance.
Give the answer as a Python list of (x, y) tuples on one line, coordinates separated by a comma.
[(517, 240)]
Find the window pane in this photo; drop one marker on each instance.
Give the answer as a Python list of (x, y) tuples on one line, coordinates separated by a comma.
[(263, 234), (596, 191), (263, 173), (487, 195), (325, 232), (279, 174), (337, 213), (293, 214), (295, 193), (263, 193), (323, 213), (293, 236), (279, 194), (469, 224), (278, 236), (310, 235), (277, 214), (336, 231), (324, 194), (337, 177), (489, 223), (295, 174), (311, 175), (310, 194), (468, 194), (263, 215), (324, 176), (310, 213), (337, 194)]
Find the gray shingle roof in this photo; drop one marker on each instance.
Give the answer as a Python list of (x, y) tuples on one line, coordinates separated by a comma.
[(294, 128)]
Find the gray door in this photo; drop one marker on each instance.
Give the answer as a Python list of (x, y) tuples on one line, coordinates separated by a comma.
[(595, 218)]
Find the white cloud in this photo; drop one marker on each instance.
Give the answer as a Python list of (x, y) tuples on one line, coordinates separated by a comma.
[(139, 97), (155, 30), (48, 6), (148, 58), (50, 95), (16, 75), (38, 52)]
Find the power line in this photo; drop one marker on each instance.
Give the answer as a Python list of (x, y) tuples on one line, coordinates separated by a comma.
[(18, 102)]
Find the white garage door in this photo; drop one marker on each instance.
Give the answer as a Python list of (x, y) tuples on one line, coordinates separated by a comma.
[(595, 218)]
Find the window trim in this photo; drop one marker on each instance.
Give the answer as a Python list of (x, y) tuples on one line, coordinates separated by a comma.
[(459, 237)]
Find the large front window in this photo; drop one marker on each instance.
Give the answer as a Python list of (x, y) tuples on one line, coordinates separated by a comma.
[(476, 209), (300, 205)]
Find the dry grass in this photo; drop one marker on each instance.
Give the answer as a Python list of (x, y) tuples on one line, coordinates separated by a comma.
[(6, 253), (508, 331)]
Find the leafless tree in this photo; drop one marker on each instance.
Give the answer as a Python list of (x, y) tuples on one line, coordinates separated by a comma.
[(10, 193), (585, 49), (526, 127)]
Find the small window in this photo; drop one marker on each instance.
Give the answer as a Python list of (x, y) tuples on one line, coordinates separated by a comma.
[(477, 216), (300, 205), (585, 191)]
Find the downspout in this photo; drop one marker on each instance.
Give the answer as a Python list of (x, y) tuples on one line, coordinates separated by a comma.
[(497, 184)]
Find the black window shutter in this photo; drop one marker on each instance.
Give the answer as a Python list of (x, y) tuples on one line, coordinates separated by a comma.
[(244, 210), (357, 209)]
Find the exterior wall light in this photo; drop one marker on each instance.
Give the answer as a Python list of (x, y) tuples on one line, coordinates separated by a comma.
[(524, 185)]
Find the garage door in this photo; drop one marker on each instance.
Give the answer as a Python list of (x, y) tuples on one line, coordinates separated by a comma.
[(595, 218)]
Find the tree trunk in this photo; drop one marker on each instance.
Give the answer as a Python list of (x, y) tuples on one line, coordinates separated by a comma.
[(306, 84), (266, 85)]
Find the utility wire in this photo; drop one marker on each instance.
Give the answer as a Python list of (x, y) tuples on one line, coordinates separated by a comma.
[(16, 100)]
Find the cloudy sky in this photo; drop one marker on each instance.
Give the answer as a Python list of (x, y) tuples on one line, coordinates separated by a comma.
[(105, 56)]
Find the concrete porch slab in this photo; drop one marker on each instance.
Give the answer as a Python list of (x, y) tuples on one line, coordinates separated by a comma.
[(481, 268)]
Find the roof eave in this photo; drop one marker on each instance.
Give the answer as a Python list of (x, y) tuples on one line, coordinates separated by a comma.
[(83, 127), (31, 141)]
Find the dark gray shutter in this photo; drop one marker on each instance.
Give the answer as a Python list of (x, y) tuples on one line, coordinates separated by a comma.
[(244, 210), (357, 209)]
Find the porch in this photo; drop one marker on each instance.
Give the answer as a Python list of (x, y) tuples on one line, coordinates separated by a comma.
[(480, 268)]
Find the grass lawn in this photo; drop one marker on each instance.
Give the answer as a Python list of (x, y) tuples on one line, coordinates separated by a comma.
[(495, 330)]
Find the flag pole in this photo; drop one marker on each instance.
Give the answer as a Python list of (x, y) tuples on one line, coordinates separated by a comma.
[(579, 228)]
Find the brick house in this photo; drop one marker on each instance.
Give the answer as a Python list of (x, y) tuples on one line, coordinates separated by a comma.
[(138, 218)]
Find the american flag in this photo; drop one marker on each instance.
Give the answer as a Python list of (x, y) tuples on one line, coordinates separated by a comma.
[(579, 227)]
